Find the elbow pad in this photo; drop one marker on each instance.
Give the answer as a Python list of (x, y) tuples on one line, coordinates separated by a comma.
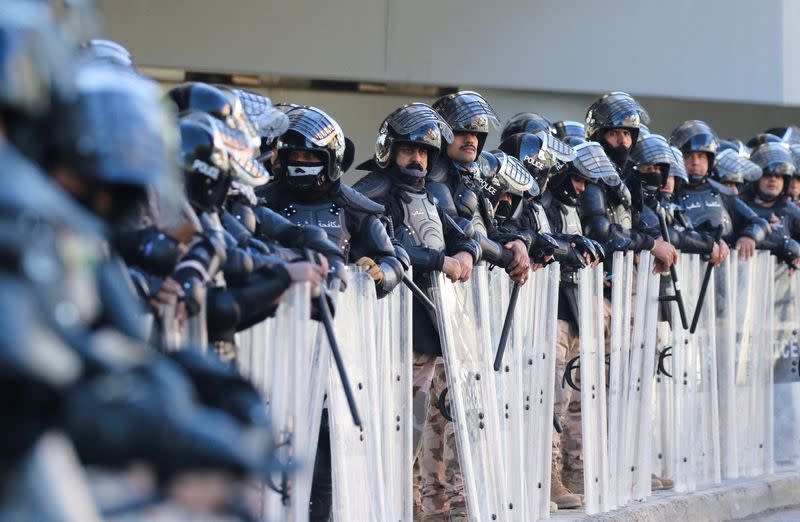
[(789, 251), (223, 312), (204, 258), (158, 253), (235, 228), (238, 266)]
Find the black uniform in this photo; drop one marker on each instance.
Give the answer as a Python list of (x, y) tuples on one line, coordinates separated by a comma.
[(423, 230)]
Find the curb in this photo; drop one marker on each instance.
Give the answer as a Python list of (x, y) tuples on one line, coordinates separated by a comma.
[(730, 500)]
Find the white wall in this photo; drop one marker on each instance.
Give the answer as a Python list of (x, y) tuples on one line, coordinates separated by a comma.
[(723, 50)]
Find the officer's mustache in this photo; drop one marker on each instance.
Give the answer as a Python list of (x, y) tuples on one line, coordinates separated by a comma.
[(468, 146), (415, 166)]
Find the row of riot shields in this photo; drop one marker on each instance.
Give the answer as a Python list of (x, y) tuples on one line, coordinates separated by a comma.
[(713, 396), (695, 407), (502, 412)]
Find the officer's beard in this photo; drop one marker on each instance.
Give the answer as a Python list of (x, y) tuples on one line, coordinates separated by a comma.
[(412, 174), (619, 155), (503, 211)]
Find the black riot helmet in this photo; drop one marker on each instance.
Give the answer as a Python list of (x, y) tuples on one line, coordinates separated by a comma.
[(696, 136), (567, 129), (590, 164), (790, 134), (467, 111), (760, 139), (615, 110), (128, 132), (774, 159), (269, 121), (37, 91), (737, 146), (526, 122), (652, 149), (503, 174), (236, 128), (541, 153), (205, 162), (100, 50), (732, 167), (414, 124), (311, 129), (220, 102)]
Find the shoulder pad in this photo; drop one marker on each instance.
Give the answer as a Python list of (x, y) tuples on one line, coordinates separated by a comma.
[(373, 185), (270, 193), (438, 171), (593, 200), (357, 201), (369, 165), (722, 189)]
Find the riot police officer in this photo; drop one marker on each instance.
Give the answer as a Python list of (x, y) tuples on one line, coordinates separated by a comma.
[(311, 157), (455, 182), (706, 207), (409, 141), (614, 121), (768, 198), (560, 201)]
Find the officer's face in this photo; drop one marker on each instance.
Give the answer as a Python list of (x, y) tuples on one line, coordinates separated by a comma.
[(464, 148), (770, 184), (578, 184), (696, 163), (794, 187), (412, 157), (617, 137), (304, 156)]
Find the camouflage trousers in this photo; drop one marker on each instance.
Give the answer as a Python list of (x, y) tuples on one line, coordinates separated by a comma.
[(438, 485), (568, 446), (567, 401)]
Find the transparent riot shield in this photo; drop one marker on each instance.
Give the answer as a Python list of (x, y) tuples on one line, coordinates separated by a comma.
[(747, 297), (663, 409), (463, 321), (538, 376), (764, 364), (311, 367), (274, 372), (196, 334), (619, 354), (633, 463), (593, 390), (706, 399), (508, 381), (787, 381), (356, 452), (684, 371), (725, 329), (393, 358)]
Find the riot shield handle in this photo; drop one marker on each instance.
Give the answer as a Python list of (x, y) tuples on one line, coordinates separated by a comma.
[(662, 370), (501, 346), (572, 365), (676, 287), (706, 278), (443, 407), (327, 322)]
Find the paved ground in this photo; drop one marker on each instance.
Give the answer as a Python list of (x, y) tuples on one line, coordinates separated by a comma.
[(774, 498), (791, 514)]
